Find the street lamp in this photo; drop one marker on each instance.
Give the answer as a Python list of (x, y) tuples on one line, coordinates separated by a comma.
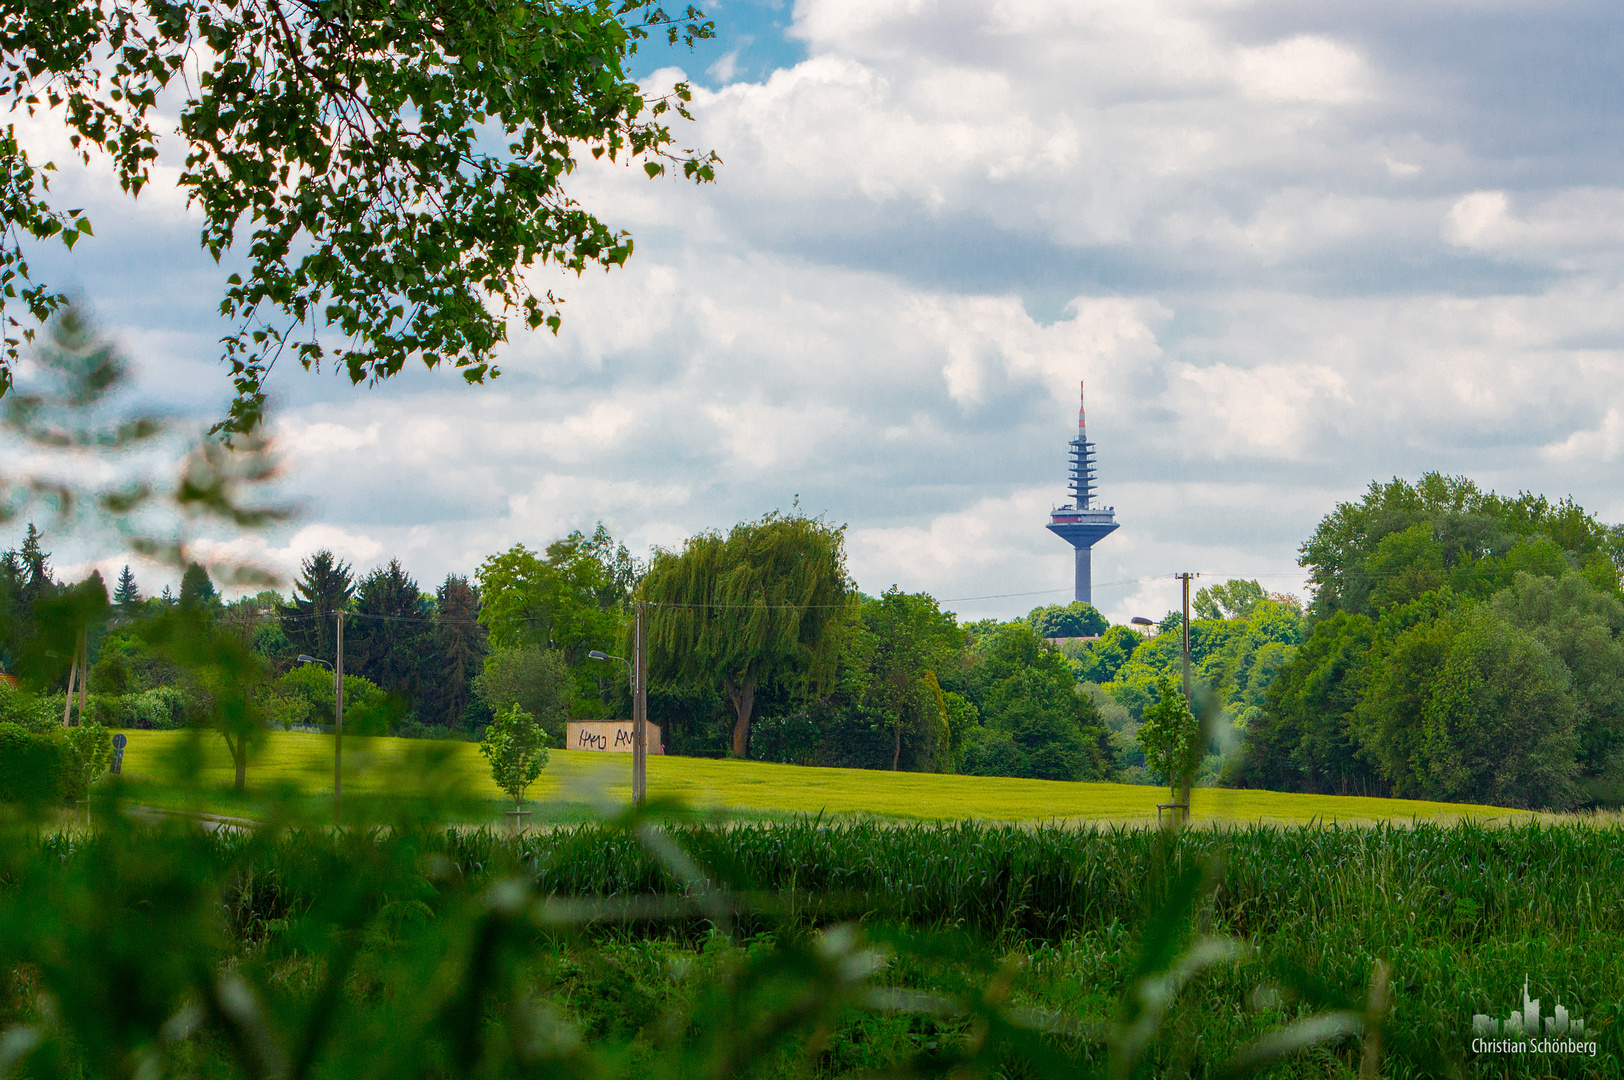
[(338, 725), (637, 671), (1143, 623), (631, 674)]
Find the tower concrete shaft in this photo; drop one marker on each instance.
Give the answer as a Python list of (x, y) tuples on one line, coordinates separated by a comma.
[(1082, 524)]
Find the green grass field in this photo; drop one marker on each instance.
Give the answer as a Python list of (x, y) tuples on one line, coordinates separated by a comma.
[(577, 782)]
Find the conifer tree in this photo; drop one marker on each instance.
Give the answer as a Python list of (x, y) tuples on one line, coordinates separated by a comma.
[(36, 567), (196, 590), (459, 649), (325, 587), (388, 640), (25, 581), (127, 594)]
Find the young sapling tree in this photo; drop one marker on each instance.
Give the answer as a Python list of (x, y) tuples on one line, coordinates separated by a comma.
[(516, 747)]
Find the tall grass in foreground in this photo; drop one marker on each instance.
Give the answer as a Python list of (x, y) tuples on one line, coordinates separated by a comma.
[(806, 948), (1458, 882)]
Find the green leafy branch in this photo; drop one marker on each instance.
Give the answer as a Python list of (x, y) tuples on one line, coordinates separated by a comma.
[(393, 169)]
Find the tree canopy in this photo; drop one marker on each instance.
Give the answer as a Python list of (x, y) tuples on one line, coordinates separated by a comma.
[(908, 644), (1403, 540), (516, 748), (196, 590), (1466, 707), (530, 678), (1233, 599), (390, 638), (325, 586), (1076, 619), (1171, 737), (1034, 718), (760, 602), (572, 598), (459, 649), (1467, 647), (392, 170)]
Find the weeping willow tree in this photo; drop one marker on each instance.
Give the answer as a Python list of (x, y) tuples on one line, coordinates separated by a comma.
[(763, 601)]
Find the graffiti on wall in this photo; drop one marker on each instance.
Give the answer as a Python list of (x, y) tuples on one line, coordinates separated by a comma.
[(609, 736)]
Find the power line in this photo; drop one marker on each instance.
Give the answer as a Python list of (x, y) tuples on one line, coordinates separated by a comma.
[(721, 607), (1048, 592), (532, 619)]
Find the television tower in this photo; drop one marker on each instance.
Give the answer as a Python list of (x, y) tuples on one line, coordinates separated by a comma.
[(1083, 524)]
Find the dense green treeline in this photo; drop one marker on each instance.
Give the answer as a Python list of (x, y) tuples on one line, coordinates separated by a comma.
[(839, 677), (1458, 645), (749, 656), (915, 690), (1240, 639), (1464, 646)]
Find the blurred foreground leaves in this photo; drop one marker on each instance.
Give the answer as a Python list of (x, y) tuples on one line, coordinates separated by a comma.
[(395, 947)]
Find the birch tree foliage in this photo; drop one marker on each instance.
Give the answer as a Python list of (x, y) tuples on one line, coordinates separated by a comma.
[(390, 169)]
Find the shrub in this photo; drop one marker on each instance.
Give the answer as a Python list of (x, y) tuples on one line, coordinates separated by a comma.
[(86, 752), (796, 739), (413, 728), (31, 712), (32, 765), (162, 708)]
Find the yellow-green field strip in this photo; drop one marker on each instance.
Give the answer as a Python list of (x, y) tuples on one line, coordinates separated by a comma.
[(408, 767)]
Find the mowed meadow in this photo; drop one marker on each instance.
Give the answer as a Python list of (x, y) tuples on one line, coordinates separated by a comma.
[(302, 763)]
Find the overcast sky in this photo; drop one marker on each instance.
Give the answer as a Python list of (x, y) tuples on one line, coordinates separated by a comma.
[(1292, 248)]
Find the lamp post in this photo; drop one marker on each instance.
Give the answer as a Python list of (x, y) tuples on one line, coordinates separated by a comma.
[(1142, 623), (631, 676), (637, 672), (338, 714), (1184, 658), (1184, 627)]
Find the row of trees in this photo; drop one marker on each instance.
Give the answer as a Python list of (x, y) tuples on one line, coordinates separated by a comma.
[(765, 622), (1463, 646), (1240, 638), (761, 647), (425, 649), (1460, 645)]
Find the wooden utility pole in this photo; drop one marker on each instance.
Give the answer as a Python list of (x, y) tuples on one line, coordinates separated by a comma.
[(640, 706), (78, 670), (73, 673), (84, 669), (338, 720), (1184, 626)]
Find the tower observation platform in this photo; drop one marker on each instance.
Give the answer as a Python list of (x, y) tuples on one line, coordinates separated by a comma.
[(1082, 524)]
